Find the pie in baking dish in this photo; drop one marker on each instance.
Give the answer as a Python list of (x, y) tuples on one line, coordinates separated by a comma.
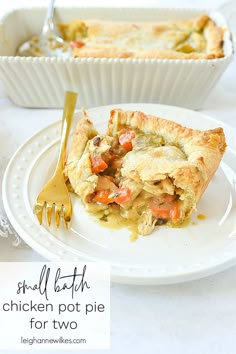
[(197, 38), (148, 170)]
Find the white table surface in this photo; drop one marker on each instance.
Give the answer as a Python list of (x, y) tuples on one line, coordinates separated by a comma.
[(197, 317)]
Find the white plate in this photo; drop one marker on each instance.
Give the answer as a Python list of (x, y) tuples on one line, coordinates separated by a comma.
[(169, 255)]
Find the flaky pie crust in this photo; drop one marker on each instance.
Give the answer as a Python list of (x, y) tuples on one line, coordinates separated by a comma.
[(197, 38)]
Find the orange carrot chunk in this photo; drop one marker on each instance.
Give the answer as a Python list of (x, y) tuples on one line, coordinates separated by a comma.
[(125, 140), (103, 197), (167, 210), (122, 195), (119, 196), (76, 44), (98, 164), (175, 212)]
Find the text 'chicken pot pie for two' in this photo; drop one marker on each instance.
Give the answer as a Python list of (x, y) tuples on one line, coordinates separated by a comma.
[(197, 38), (145, 170)]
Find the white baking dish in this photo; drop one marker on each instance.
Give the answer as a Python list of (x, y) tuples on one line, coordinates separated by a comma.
[(41, 82)]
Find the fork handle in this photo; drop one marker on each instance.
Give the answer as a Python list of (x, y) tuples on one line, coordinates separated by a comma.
[(48, 26), (68, 113)]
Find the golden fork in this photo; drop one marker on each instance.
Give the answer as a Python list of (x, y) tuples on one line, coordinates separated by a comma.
[(55, 196)]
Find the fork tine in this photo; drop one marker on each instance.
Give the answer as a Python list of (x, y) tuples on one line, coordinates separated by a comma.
[(38, 210), (49, 213), (67, 211), (57, 214)]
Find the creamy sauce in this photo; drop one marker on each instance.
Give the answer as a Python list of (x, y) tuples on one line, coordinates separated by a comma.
[(115, 221), (181, 224), (201, 216)]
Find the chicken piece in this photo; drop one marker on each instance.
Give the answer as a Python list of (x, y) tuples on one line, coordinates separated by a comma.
[(160, 187), (105, 183), (135, 188), (146, 223)]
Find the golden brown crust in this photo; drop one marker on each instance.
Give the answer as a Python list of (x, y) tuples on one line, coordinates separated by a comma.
[(198, 38), (214, 36), (78, 167), (144, 54)]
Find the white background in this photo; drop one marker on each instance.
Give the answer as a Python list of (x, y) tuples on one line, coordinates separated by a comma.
[(194, 318)]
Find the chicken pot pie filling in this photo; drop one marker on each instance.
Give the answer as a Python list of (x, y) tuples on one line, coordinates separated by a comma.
[(197, 38), (145, 170)]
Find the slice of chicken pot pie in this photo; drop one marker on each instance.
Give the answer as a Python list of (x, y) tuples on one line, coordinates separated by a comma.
[(149, 170)]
